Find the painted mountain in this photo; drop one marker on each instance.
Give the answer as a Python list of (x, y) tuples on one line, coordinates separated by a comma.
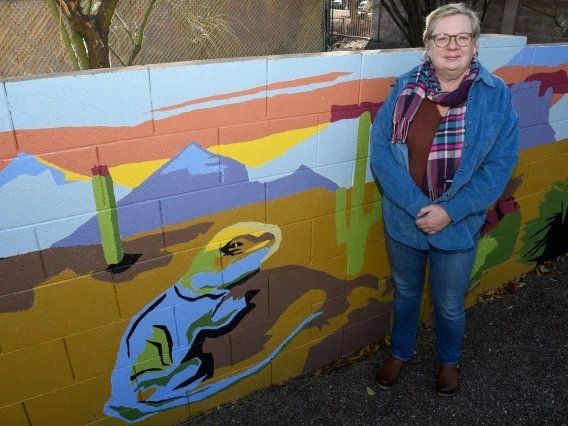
[(194, 183), (50, 194)]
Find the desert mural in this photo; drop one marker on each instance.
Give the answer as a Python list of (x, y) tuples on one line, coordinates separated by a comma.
[(175, 237)]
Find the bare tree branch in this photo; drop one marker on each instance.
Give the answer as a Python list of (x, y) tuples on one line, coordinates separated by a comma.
[(57, 15), (398, 19), (558, 20), (140, 40), (105, 14)]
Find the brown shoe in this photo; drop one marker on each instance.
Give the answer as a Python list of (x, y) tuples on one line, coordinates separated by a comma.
[(388, 374), (448, 379)]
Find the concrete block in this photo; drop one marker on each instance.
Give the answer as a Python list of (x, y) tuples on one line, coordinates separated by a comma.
[(80, 403), (324, 239), (550, 55), (389, 64), (295, 248), (184, 207), (561, 147), (93, 352), (310, 84), (136, 159), (376, 261), (185, 96), (260, 313), (303, 284), (284, 209), (33, 370), (274, 136), (251, 383), (337, 142), (536, 153), (289, 364), (521, 171), (14, 415), (365, 332), (494, 58), (8, 148), (284, 148), (335, 266), (59, 310), (543, 173), (324, 351), (501, 41), (19, 241), (504, 272), (33, 100)]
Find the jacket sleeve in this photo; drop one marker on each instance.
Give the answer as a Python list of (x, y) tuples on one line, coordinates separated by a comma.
[(488, 181), (393, 177)]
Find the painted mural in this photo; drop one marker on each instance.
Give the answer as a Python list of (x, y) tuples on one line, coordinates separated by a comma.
[(218, 229)]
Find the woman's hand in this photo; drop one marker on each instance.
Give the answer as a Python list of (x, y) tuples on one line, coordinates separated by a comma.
[(432, 218)]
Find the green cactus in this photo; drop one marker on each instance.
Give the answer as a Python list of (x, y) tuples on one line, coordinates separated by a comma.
[(107, 215), (354, 233)]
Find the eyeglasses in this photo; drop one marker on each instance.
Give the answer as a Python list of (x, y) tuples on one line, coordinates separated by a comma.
[(443, 40)]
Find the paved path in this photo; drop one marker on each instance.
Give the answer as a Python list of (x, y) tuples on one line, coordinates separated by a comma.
[(514, 372)]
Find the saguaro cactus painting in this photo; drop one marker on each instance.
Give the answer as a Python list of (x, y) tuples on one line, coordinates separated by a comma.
[(107, 215)]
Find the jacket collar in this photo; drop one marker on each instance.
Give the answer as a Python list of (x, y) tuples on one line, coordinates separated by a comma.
[(485, 76)]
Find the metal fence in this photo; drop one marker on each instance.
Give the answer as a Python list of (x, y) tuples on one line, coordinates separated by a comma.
[(177, 30), (350, 18)]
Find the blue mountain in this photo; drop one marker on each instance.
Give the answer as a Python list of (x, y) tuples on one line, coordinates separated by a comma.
[(27, 164), (193, 184), (38, 206)]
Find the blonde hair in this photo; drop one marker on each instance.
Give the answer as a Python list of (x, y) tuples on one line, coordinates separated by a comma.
[(450, 10)]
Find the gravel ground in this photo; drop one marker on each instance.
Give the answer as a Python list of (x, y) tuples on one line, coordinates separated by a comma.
[(514, 371)]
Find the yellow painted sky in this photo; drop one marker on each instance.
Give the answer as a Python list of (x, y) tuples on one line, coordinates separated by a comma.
[(69, 176), (257, 152), (252, 153), (133, 174)]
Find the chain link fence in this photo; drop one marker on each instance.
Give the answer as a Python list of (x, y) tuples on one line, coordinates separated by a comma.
[(352, 18), (31, 42)]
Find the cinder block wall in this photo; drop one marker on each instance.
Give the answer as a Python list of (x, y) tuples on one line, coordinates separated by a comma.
[(175, 237)]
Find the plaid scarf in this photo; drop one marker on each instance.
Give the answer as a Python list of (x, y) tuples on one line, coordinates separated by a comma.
[(445, 153)]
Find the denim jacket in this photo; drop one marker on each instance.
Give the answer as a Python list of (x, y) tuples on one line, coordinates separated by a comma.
[(489, 154)]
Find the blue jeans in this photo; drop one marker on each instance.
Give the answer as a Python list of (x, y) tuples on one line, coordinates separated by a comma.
[(449, 276)]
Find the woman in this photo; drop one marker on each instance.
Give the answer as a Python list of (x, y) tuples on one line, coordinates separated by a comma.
[(443, 145)]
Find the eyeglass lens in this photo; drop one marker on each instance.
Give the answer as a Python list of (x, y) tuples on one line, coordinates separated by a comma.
[(462, 39)]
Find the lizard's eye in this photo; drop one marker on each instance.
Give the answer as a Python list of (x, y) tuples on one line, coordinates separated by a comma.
[(231, 248)]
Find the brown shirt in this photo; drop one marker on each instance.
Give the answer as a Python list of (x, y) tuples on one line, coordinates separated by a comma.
[(421, 134)]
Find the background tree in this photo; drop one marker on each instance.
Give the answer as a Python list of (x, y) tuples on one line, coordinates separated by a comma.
[(89, 22), (410, 15), (85, 26)]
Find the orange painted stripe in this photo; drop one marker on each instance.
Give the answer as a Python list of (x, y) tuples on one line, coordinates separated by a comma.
[(325, 78)]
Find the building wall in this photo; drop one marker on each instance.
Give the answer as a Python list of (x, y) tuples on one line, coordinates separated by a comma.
[(494, 17), (174, 237), (388, 31), (539, 28)]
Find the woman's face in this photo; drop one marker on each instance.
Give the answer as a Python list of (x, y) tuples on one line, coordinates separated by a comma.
[(451, 61)]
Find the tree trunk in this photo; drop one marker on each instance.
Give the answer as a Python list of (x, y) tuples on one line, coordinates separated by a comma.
[(415, 22), (92, 29), (352, 5)]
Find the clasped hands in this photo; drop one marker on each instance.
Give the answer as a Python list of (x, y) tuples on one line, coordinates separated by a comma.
[(432, 219)]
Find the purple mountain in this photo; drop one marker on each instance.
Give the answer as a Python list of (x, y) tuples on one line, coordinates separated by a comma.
[(194, 183)]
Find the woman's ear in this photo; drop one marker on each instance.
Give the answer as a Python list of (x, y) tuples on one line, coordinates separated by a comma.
[(427, 48)]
